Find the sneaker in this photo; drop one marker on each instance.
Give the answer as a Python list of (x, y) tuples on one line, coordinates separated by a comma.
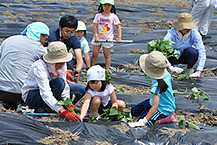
[(171, 118), (190, 71), (22, 108), (94, 115)]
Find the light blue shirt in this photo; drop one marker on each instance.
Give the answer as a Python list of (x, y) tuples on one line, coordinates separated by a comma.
[(167, 102), (193, 40)]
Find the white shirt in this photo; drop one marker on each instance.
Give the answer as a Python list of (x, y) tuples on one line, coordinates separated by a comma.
[(105, 95), (39, 76)]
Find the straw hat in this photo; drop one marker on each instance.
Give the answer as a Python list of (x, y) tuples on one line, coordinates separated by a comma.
[(96, 72), (57, 53), (154, 64), (185, 21)]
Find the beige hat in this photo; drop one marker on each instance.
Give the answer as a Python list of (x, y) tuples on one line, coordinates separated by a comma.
[(154, 64), (96, 72), (185, 21), (57, 53)]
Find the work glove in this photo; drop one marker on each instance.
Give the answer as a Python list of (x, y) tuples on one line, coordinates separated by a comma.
[(72, 107), (70, 115), (177, 70), (195, 75), (76, 76), (140, 123), (69, 76)]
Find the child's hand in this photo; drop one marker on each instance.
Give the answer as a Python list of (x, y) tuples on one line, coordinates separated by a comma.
[(118, 40), (97, 39)]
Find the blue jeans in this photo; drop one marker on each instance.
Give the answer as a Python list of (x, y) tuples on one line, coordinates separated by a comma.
[(57, 86), (189, 57)]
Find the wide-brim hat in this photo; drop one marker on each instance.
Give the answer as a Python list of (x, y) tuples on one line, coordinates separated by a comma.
[(185, 21), (57, 53), (154, 65)]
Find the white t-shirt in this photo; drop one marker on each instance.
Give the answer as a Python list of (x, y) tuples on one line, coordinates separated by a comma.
[(105, 95)]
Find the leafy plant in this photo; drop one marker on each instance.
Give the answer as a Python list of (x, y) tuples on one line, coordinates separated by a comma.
[(107, 75), (67, 103), (182, 122), (95, 119), (184, 77), (113, 114), (119, 90), (164, 46), (197, 93)]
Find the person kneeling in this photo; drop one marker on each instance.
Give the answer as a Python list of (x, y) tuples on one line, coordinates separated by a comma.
[(46, 83)]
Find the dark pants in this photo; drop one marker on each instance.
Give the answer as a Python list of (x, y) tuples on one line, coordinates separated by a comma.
[(57, 86), (11, 99), (142, 110), (72, 64), (189, 57)]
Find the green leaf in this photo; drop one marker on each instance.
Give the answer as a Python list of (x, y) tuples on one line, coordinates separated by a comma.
[(194, 96), (94, 119), (113, 111), (60, 103), (195, 90), (189, 124), (107, 75), (68, 102)]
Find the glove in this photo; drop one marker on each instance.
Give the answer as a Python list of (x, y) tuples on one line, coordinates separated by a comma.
[(195, 75), (70, 115), (141, 123), (72, 107), (177, 70), (76, 76), (69, 76)]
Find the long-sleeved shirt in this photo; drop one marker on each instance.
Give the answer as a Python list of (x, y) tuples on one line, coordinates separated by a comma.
[(38, 78), (193, 40)]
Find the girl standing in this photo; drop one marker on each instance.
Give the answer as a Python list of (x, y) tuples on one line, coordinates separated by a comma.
[(162, 102), (100, 93), (104, 23)]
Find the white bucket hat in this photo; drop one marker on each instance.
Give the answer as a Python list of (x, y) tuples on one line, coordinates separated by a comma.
[(96, 72), (81, 26), (154, 65), (57, 53), (111, 2)]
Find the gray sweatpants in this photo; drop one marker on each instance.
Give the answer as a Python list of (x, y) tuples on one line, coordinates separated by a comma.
[(202, 13)]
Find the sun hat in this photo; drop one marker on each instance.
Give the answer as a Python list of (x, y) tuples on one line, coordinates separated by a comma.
[(96, 72), (185, 21), (111, 2), (154, 64), (81, 26), (35, 29), (57, 53)]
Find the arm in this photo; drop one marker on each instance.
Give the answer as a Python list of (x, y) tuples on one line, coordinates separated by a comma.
[(79, 59), (154, 107), (119, 33), (84, 108), (95, 30), (87, 59), (114, 99)]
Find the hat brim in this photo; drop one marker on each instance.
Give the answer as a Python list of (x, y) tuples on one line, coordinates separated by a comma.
[(155, 75), (67, 58), (181, 26), (107, 3)]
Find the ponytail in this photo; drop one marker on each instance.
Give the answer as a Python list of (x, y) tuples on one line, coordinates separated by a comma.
[(162, 85)]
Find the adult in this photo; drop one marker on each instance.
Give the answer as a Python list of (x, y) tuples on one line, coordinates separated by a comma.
[(202, 13), (17, 53), (189, 42), (46, 82), (66, 34)]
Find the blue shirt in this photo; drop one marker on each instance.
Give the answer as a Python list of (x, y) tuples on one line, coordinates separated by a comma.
[(73, 42), (193, 40), (167, 102)]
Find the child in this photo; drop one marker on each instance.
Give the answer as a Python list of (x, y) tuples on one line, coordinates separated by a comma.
[(81, 33), (46, 82), (104, 23), (100, 93), (162, 102)]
